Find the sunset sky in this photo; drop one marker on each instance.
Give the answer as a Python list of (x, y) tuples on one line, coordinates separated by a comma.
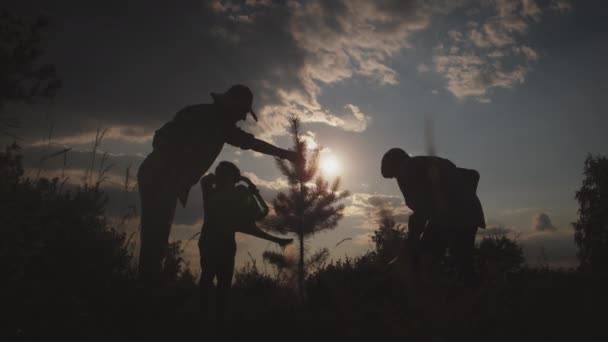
[(512, 88)]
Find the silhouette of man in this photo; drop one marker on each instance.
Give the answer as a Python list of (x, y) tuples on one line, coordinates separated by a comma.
[(183, 150), (446, 209), (228, 208)]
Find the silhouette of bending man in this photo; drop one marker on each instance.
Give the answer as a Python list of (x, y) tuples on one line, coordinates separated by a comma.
[(228, 208), (446, 209), (183, 150)]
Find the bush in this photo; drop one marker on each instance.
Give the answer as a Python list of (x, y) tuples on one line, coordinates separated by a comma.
[(59, 257)]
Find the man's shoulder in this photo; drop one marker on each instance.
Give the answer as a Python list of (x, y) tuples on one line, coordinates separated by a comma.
[(431, 160), (421, 166), (421, 162)]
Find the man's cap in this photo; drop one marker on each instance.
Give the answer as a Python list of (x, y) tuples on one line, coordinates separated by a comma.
[(238, 96)]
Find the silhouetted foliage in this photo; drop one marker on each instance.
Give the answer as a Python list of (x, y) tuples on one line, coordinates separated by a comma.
[(390, 237), (58, 252), (176, 269), (66, 276), (22, 77), (254, 282), (499, 254), (307, 208), (591, 229), (287, 266), (63, 264)]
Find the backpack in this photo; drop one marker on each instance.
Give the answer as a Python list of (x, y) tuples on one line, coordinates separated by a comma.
[(469, 180)]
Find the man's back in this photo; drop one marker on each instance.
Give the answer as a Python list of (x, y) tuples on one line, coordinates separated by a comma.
[(425, 180), (434, 186), (191, 142), (193, 130)]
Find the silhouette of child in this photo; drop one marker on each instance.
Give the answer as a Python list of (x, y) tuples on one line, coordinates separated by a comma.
[(228, 208)]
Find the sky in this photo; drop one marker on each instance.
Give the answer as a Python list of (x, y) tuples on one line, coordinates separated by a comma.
[(511, 88)]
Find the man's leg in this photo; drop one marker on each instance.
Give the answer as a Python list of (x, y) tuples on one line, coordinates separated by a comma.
[(157, 210), (463, 246), (416, 225), (434, 246)]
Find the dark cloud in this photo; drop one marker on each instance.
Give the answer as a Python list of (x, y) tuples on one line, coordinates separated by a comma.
[(542, 222), (130, 66), (135, 64)]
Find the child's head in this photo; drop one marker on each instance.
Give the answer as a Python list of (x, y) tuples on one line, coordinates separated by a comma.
[(226, 173)]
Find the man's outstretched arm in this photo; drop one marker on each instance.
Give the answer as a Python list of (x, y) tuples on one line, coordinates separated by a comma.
[(246, 141), (266, 148)]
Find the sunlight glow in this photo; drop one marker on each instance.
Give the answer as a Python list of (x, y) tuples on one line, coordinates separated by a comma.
[(330, 165)]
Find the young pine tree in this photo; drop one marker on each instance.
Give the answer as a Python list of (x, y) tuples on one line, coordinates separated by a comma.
[(311, 204)]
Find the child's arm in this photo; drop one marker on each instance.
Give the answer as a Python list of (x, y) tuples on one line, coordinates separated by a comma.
[(207, 183), (260, 200), (256, 193), (250, 227)]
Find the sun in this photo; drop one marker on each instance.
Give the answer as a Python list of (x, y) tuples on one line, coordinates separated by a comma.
[(330, 165)]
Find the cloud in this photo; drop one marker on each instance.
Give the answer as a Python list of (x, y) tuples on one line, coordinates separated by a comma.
[(354, 37), (423, 67), (287, 52), (527, 51), (338, 41), (561, 5), (134, 134), (555, 248), (499, 230), (364, 239), (542, 222), (278, 184), (384, 200), (367, 207), (517, 211), (490, 53), (73, 164)]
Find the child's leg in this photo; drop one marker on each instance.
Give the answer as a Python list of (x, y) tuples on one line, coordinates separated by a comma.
[(254, 230), (224, 283), (206, 284), (209, 269)]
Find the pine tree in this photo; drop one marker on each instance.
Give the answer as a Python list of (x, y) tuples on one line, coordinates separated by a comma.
[(311, 204)]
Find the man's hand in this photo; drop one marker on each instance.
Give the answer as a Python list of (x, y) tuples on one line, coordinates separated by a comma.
[(266, 148)]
